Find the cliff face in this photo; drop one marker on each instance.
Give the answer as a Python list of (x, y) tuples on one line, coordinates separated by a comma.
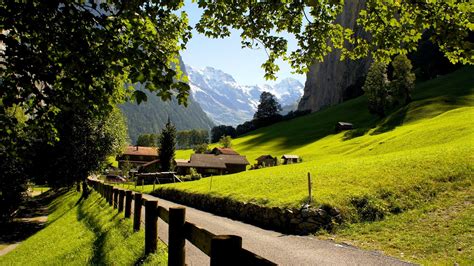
[(332, 81)]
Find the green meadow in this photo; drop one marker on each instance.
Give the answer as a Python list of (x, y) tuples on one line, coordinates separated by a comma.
[(411, 172), (80, 232)]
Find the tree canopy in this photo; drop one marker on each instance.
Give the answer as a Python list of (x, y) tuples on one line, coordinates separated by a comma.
[(392, 27), (167, 146)]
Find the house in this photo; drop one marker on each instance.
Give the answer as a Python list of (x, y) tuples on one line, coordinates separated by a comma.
[(150, 167), (212, 164), (266, 161), (289, 158), (137, 156), (340, 126), (224, 151)]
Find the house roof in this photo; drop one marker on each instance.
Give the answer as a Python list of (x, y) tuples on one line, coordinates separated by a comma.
[(141, 151), (290, 156), (224, 151), (344, 124), (264, 157), (213, 161), (150, 163), (181, 162)]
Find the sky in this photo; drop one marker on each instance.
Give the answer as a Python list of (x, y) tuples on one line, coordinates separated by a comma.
[(228, 56)]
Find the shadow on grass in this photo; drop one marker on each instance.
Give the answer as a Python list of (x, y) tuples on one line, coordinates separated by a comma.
[(31, 217), (100, 219)]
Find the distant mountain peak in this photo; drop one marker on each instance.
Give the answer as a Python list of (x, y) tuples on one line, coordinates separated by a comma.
[(227, 102)]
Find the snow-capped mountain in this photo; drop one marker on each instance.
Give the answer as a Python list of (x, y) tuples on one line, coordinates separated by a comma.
[(229, 103)]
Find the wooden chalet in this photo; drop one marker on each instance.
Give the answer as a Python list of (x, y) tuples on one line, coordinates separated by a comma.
[(138, 156), (212, 164), (224, 151), (340, 126), (266, 161), (290, 158)]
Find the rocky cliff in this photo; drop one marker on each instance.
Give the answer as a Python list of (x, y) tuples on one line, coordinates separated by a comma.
[(333, 80)]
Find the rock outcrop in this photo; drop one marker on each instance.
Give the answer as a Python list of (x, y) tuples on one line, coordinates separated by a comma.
[(332, 81)]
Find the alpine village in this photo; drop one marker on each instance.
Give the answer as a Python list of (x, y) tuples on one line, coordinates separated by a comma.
[(237, 132)]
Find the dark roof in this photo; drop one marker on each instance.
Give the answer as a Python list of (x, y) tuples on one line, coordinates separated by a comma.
[(264, 157), (214, 161), (141, 151), (290, 156), (224, 151), (150, 163), (345, 124)]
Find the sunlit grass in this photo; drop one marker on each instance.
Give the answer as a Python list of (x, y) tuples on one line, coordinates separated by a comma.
[(83, 232)]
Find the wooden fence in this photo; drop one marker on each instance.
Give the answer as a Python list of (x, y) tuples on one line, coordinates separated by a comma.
[(222, 249)]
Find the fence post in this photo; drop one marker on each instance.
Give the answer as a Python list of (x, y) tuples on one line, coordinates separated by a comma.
[(137, 211), (120, 200), (151, 226), (115, 203), (109, 194), (225, 250), (128, 203), (176, 238)]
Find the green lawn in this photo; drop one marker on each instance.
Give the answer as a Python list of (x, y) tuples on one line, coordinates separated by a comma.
[(417, 161), (84, 232)]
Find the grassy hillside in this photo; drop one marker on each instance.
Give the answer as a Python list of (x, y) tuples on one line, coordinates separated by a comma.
[(83, 232), (414, 169)]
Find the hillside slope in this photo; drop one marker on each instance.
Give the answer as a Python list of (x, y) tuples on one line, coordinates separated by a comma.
[(413, 171)]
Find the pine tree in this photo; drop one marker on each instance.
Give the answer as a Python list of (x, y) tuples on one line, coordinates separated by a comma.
[(167, 147), (375, 88), (403, 80)]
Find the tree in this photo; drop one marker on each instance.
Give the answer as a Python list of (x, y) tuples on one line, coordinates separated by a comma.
[(226, 142), (268, 107), (268, 110), (376, 88), (147, 140), (403, 81), (167, 146), (218, 131), (201, 148), (391, 27)]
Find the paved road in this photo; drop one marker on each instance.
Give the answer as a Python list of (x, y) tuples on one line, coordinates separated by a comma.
[(277, 247)]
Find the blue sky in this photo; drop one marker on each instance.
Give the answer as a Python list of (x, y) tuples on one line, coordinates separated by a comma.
[(227, 55)]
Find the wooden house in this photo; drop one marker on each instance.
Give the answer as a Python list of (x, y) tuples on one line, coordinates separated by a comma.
[(137, 156), (224, 151), (290, 159), (266, 161), (340, 126), (212, 164)]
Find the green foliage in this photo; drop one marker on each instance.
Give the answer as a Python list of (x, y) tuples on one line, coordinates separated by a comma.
[(147, 140), (84, 146), (376, 88), (218, 131), (84, 232), (268, 110), (225, 142), (392, 27), (384, 95), (201, 148), (190, 138), (403, 81), (167, 147)]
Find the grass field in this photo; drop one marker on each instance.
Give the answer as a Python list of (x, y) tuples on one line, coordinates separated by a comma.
[(414, 169), (84, 232)]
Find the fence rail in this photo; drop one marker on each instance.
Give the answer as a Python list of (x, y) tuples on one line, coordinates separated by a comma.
[(222, 249)]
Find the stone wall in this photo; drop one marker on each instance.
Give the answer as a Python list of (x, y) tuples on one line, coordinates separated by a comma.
[(293, 221)]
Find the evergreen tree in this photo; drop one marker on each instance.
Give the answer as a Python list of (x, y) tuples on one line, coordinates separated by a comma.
[(375, 88), (403, 80), (167, 146)]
